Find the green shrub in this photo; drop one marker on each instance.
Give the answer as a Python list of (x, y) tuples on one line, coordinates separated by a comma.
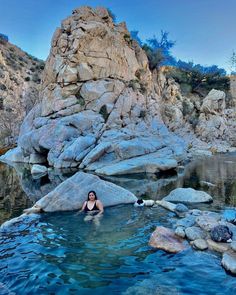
[(195, 81)]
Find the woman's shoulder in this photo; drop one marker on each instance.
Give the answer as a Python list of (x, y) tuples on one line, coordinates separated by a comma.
[(98, 202)]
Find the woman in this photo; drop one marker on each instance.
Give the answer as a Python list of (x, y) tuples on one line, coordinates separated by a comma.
[(92, 204)]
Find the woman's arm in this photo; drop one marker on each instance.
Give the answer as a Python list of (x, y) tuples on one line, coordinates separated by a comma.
[(100, 207), (84, 205)]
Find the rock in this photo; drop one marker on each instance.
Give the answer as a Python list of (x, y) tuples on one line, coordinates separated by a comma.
[(195, 212), (181, 208), (187, 221), (232, 228), (179, 231), (39, 169), (197, 153), (20, 223), (14, 155), (144, 164), (200, 244), (71, 194), (188, 195), (229, 262), (165, 239), (194, 233), (99, 109), (207, 184), (167, 205), (233, 246), (214, 102), (221, 233), (37, 159), (20, 75), (207, 222), (218, 247)]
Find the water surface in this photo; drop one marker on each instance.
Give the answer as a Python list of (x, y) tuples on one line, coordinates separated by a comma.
[(61, 253)]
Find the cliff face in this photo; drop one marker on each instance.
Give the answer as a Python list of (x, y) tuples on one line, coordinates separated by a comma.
[(20, 76), (100, 107), (99, 104)]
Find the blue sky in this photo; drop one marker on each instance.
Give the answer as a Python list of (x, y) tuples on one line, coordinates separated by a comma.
[(204, 30)]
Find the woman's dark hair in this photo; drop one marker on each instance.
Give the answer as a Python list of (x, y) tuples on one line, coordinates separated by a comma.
[(93, 193)]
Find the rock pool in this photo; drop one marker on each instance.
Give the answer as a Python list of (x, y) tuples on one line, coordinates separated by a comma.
[(61, 253)]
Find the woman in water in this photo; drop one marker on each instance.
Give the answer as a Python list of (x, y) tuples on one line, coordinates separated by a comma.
[(92, 204)]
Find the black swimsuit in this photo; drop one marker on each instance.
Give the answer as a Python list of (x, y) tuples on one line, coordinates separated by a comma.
[(95, 208)]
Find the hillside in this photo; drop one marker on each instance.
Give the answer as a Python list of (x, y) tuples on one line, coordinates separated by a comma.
[(20, 76)]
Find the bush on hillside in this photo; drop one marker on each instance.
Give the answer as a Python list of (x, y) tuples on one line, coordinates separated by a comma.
[(199, 79)]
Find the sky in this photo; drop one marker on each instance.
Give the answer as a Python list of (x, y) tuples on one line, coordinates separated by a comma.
[(204, 30)]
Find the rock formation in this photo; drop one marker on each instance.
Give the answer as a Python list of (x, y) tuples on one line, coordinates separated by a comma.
[(99, 105), (20, 76), (206, 122)]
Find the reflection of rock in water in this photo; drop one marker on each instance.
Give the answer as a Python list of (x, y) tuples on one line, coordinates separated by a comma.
[(35, 189), (19, 190), (12, 197), (216, 176), (147, 185)]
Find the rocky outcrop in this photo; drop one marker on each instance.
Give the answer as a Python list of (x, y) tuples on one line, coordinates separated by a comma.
[(20, 76), (72, 193), (205, 122), (100, 110)]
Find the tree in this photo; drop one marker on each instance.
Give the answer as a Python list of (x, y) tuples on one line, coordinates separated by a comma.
[(134, 35), (232, 63), (158, 51)]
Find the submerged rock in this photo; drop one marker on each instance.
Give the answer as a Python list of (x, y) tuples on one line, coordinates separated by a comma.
[(71, 193), (188, 195), (200, 244), (229, 262), (165, 239)]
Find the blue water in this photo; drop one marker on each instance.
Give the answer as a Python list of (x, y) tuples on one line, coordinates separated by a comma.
[(63, 254)]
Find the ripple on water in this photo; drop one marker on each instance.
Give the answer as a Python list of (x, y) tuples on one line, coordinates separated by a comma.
[(64, 254)]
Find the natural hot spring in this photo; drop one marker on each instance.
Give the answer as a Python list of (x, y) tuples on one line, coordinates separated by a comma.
[(63, 254)]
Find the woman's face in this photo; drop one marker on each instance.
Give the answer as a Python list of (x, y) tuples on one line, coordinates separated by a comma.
[(91, 197)]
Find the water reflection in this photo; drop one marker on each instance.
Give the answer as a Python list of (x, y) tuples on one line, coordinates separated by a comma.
[(12, 197), (215, 175)]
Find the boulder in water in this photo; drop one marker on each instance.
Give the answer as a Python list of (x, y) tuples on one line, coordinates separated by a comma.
[(165, 239), (221, 233)]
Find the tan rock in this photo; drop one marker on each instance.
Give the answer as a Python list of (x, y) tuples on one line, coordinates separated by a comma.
[(165, 239), (218, 247)]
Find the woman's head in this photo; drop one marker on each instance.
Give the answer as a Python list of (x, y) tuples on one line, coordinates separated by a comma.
[(92, 196)]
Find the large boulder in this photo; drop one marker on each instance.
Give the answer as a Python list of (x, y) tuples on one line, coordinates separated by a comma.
[(98, 104), (188, 195), (212, 123), (71, 194)]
